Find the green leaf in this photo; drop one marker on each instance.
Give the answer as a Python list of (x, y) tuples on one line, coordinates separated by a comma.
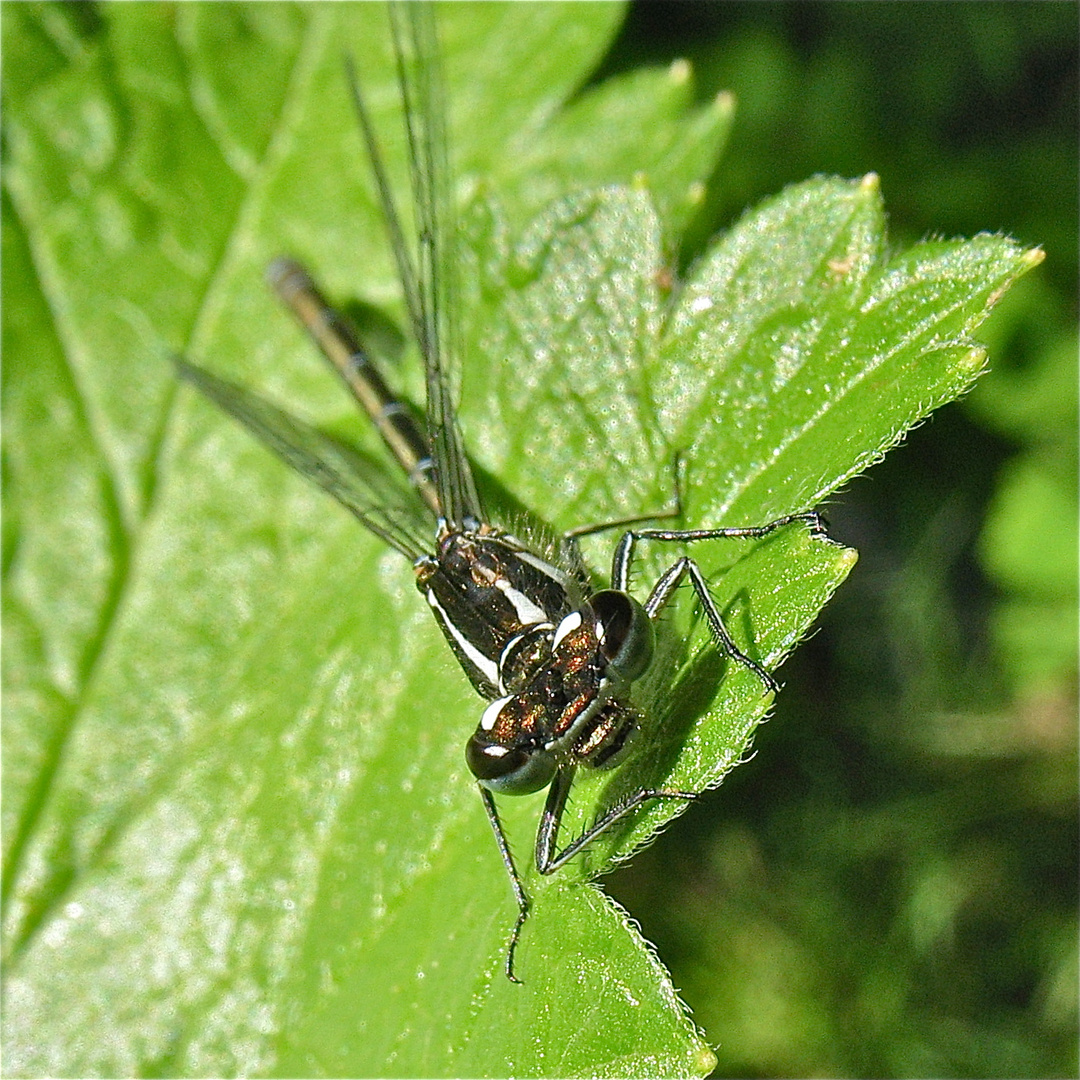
[(239, 835)]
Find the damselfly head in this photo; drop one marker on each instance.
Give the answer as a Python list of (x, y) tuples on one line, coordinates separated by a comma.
[(570, 713)]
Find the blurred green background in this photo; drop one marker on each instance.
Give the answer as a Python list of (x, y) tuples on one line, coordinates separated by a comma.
[(890, 887)]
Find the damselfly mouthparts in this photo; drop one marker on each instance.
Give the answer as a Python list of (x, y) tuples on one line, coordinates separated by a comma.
[(554, 659)]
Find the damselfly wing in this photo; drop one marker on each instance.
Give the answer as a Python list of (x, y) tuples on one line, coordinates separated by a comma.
[(553, 659)]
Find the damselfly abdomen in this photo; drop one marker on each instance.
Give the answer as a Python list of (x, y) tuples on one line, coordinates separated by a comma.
[(554, 659)]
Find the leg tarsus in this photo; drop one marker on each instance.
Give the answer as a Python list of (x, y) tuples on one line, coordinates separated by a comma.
[(515, 879), (602, 824), (511, 947)]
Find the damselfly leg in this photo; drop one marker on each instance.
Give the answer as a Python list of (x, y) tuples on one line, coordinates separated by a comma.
[(597, 652)]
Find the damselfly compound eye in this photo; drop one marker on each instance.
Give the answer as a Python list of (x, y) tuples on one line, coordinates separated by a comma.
[(624, 632), (509, 771)]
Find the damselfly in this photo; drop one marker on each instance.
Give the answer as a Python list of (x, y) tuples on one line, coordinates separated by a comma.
[(554, 659)]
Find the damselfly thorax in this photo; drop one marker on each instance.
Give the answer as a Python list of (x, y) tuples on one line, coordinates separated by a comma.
[(554, 659), (497, 602)]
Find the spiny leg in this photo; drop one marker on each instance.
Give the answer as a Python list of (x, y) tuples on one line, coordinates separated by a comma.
[(665, 589), (546, 836), (687, 567), (624, 551), (548, 858), (515, 879)]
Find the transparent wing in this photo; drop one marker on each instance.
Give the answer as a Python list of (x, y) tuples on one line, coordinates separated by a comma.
[(388, 508), (428, 278)]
